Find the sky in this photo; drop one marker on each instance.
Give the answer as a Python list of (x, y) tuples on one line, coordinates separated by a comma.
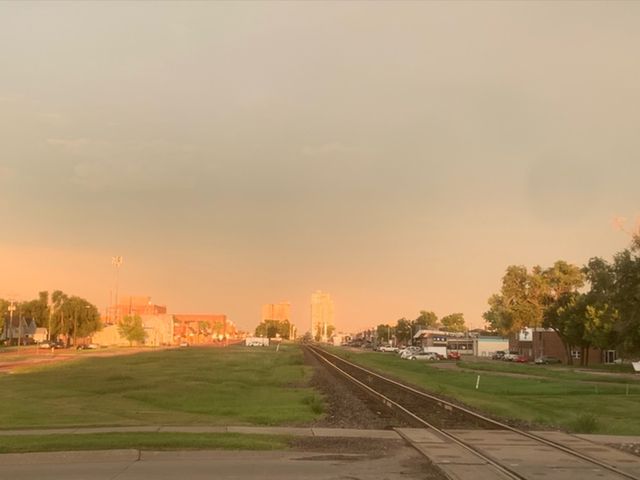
[(398, 155)]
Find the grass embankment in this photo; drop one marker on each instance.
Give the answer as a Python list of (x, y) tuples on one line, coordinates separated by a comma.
[(189, 386), (141, 441), (577, 402), (558, 372)]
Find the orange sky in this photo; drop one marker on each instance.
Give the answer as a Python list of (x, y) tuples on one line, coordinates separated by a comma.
[(396, 155)]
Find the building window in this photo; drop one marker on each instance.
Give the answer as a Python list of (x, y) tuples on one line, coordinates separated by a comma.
[(575, 354)]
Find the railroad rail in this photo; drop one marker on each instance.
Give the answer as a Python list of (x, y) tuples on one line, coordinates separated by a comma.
[(427, 410)]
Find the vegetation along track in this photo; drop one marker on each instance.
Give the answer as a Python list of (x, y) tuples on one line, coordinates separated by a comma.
[(428, 411)]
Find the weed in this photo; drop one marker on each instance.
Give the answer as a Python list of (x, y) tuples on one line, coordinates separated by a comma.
[(585, 423)]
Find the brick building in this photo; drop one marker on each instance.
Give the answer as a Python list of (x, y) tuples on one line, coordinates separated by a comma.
[(202, 328), (133, 305), (535, 342)]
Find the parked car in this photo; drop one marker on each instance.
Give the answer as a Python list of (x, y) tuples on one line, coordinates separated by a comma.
[(387, 348), (408, 351), (499, 355), (546, 359), (510, 356), (426, 356), (453, 355), (51, 344), (521, 359)]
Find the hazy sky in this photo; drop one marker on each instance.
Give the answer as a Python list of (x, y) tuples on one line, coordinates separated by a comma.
[(397, 155)]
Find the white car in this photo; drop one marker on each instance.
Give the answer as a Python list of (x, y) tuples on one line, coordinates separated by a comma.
[(409, 351), (387, 348), (425, 356)]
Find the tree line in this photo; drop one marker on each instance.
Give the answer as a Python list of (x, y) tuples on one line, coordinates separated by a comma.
[(62, 314), (404, 329), (273, 329), (596, 305)]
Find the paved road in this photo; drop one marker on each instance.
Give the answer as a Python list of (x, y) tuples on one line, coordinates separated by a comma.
[(405, 464)]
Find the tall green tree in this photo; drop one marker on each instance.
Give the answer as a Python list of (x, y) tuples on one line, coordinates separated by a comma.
[(564, 306), (426, 320), (132, 329), (453, 323), (4, 313), (626, 298), (404, 332), (37, 309), (384, 333), (275, 328), (520, 302)]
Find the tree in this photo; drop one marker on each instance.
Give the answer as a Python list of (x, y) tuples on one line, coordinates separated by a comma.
[(404, 332), (426, 320), (626, 298), (566, 317), (274, 328), (384, 332), (4, 313), (37, 309), (519, 303), (132, 329), (453, 323), (564, 306)]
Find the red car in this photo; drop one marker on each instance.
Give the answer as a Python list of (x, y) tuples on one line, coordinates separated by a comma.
[(453, 355), (521, 359)]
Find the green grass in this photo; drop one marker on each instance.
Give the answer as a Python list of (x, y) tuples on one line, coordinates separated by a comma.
[(190, 386), (571, 401), (141, 441), (551, 371)]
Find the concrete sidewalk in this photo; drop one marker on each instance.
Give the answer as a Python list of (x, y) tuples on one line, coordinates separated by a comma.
[(291, 431)]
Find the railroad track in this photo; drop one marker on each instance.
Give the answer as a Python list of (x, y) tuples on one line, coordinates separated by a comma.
[(426, 410)]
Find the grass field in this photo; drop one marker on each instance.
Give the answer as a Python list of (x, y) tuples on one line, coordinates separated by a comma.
[(189, 386), (552, 371), (141, 441), (577, 402)]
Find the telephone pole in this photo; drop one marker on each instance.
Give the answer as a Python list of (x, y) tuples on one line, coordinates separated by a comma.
[(116, 262)]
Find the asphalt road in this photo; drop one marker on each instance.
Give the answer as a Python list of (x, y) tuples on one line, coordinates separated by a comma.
[(405, 463)]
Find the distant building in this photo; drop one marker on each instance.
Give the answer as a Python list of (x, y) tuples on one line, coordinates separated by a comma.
[(470, 343), (133, 305), (321, 314), (536, 342), (158, 329), (202, 328), (20, 328), (276, 311)]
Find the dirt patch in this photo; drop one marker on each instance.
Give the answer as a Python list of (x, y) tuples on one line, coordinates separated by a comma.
[(347, 407), (372, 447)]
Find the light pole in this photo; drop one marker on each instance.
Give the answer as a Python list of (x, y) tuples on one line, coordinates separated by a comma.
[(116, 262)]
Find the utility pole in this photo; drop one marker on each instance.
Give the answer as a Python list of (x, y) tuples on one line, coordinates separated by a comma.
[(116, 261)]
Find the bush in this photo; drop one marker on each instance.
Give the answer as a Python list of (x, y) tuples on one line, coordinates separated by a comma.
[(315, 402), (585, 423)]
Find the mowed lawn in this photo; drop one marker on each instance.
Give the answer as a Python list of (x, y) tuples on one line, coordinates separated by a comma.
[(189, 386), (577, 402)]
